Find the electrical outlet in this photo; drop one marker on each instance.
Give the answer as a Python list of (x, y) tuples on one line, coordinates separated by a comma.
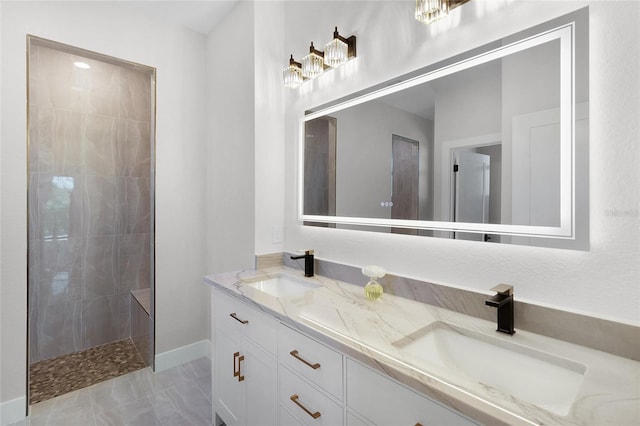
[(276, 234)]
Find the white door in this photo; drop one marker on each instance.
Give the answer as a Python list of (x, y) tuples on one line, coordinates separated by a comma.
[(536, 175), (471, 190)]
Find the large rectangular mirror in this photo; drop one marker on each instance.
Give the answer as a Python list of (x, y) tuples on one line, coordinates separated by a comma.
[(489, 145)]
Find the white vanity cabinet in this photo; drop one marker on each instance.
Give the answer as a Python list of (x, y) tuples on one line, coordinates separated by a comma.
[(373, 399), (244, 363), (311, 380), (267, 373)]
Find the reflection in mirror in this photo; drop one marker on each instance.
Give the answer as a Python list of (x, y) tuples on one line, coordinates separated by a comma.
[(480, 149)]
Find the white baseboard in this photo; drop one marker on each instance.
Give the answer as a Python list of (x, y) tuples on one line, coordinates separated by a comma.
[(182, 355), (13, 411)]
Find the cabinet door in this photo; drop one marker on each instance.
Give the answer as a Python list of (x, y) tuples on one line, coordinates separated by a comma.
[(228, 398), (260, 370)]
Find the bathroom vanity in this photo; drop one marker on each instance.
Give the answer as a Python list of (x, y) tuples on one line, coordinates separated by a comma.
[(291, 350)]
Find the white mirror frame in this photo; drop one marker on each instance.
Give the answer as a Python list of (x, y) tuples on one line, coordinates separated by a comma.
[(566, 35)]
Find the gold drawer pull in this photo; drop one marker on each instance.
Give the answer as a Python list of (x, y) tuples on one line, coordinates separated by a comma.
[(418, 424), (236, 373), (296, 356), (235, 317), (295, 397)]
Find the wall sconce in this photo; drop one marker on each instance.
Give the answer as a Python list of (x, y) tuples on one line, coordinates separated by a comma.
[(338, 51), (313, 63), (428, 11), (292, 75)]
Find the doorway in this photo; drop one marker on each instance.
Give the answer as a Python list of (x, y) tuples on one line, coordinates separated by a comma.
[(471, 177), (91, 149), (467, 199), (404, 178), (320, 169)]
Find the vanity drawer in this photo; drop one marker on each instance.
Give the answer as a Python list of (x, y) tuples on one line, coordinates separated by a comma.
[(311, 406), (287, 419), (312, 360), (242, 319), (383, 401), (353, 420)]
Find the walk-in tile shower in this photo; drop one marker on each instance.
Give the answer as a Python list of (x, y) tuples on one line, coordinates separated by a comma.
[(90, 197)]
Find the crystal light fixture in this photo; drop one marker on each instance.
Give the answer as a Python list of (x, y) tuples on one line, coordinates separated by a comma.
[(313, 63), (292, 75), (339, 50), (428, 11)]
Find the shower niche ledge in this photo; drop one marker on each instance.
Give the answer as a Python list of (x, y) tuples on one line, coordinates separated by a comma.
[(142, 323)]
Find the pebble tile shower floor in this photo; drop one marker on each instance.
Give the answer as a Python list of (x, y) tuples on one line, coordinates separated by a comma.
[(177, 396), (64, 374)]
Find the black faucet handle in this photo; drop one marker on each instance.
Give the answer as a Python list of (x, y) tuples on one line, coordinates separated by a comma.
[(308, 262), (503, 301), (503, 289)]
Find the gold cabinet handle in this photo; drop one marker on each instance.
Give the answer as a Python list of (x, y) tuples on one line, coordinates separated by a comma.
[(304, 361), (418, 424), (295, 397), (236, 373), (235, 317)]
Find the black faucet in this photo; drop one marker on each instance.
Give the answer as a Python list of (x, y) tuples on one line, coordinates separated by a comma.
[(503, 300), (308, 262)]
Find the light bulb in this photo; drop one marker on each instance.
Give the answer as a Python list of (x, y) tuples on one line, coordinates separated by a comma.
[(336, 52), (292, 75), (313, 63), (428, 11)]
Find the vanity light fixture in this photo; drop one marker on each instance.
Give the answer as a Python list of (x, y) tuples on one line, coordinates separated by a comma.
[(338, 51), (313, 63), (292, 74), (428, 11), (82, 65)]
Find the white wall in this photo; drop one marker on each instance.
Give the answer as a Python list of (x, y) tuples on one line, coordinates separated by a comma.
[(246, 136), (601, 282), (270, 60), (230, 143), (178, 55)]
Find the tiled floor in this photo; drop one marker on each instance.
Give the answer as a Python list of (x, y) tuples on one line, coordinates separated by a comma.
[(177, 396), (67, 373)]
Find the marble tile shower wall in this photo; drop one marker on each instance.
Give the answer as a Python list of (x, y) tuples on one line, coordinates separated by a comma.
[(90, 192)]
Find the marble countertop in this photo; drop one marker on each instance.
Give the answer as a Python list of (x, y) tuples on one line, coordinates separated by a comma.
[(373, 332)]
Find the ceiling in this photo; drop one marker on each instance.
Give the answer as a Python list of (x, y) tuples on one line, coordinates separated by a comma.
[(200, 16)]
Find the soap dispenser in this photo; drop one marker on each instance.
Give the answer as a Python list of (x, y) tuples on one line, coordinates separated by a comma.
[(373, 290)]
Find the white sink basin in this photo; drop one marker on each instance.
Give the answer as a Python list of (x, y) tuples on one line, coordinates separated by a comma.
[(283, 285), (542, 379)]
